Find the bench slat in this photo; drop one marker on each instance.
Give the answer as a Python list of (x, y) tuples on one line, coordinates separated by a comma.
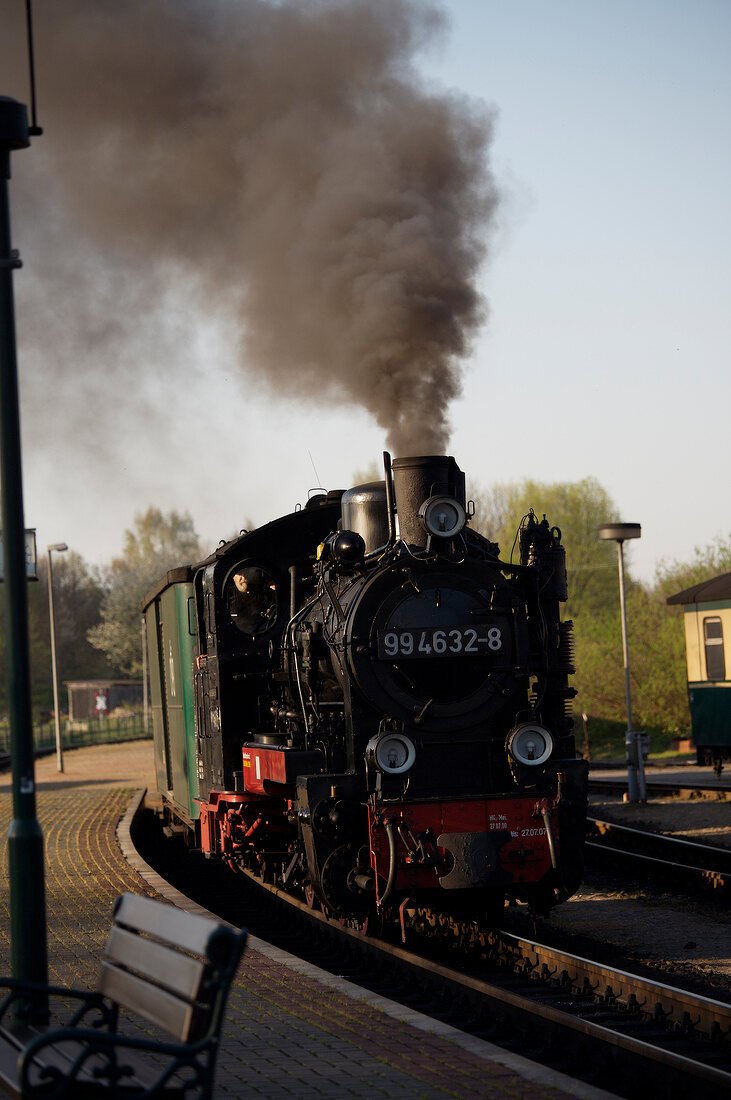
[(9, 1065), (174, 1016), (13, 1041), (186, 930), (178, 973)]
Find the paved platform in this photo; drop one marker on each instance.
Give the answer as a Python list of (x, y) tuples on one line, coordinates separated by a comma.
[(291, 1030)]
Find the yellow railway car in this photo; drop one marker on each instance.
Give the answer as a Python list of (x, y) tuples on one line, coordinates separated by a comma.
[(707, 613)]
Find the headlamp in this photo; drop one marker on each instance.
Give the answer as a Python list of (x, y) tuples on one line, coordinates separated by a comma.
[(530, 744), (442, 516), (391, 753)]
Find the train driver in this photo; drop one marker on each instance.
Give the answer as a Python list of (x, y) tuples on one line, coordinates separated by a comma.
[(252, 599)]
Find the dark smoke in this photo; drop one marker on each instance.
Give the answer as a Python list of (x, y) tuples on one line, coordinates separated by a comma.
[(279, 166)]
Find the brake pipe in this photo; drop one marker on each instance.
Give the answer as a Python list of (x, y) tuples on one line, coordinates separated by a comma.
[(390, 882)]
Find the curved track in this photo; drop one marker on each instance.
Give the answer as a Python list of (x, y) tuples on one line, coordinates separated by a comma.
[(666, 785), (633, 1035), (688, 864), (642, 1033)]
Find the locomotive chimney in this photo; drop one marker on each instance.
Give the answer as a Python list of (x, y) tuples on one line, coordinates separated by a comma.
[(415, 479)]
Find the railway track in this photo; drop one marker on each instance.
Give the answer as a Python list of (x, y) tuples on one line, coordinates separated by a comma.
[(686, 863), (623, 1032), (657, 787)]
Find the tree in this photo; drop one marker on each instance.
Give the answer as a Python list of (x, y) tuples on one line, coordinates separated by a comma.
[(77, 601), (656, 657), (77, 597), (157, 543), (657, 662), (707, 562), (577, 508), (662, 652)]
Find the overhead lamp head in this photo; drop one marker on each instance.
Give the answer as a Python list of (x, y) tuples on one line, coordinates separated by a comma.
[(620, 531)]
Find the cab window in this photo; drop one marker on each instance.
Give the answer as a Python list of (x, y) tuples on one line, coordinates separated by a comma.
[(251, 595)]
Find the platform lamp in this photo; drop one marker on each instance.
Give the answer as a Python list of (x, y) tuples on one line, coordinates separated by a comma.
[(636, 791), (28, 936), (59, 546)]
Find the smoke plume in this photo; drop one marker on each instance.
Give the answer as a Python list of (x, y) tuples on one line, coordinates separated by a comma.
[(276, 165)]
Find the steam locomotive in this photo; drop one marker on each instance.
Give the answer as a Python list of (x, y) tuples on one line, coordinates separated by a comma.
[(361, 703)]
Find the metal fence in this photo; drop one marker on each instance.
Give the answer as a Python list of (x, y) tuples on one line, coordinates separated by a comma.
[(94, 731)]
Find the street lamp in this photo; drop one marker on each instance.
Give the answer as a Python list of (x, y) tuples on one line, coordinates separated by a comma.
[(57, 717), (28, 934), (635, 763)]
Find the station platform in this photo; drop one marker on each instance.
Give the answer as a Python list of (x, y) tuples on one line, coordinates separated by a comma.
[(291, 1029)]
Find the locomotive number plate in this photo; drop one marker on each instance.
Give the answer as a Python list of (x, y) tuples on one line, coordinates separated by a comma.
[(459, 641)]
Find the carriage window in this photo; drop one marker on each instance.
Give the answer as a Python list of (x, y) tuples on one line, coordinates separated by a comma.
[(252, 599), (715, 660)]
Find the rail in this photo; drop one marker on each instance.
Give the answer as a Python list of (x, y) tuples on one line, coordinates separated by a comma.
[(685, 862), (660, 788)]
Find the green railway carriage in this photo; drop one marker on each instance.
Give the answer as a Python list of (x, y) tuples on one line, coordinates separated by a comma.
[(170, 636), (707, 615), (196, 645)]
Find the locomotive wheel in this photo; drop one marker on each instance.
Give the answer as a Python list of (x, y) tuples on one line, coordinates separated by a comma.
[(334, 883)]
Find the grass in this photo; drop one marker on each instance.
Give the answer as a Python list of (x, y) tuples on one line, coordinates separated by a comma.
[(607, 741)]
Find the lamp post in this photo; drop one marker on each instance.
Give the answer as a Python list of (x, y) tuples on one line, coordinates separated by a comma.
[(29, 958), (59, 546), (636, 792)]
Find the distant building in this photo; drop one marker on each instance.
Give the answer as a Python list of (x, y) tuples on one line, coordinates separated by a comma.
[(101, 698), (707, 616)]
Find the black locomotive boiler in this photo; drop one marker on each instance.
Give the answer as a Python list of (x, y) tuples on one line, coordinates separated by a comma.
[(362, 703)]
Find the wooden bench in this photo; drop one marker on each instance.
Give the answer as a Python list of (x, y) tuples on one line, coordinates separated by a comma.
[(161, 965)]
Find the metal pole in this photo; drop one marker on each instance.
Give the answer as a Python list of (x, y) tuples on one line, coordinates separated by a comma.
[(25, 839), (618, 532), (56, 714), (636, 791), (625, 646), (632, 789)]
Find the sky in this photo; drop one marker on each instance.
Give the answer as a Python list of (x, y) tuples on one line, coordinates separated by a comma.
[(604, 352)]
